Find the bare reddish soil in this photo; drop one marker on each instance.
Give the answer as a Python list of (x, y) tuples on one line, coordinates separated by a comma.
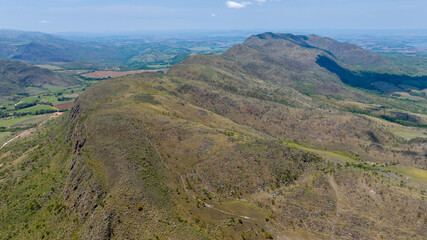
[(64, 106), (112, 74)]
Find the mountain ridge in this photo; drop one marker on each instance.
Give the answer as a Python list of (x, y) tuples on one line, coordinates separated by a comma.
[(238, 146)]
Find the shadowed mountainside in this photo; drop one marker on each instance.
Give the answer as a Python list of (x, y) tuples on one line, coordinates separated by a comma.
[(368, 80)]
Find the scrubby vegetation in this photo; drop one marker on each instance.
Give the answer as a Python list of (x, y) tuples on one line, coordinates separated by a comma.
[(237, 146)]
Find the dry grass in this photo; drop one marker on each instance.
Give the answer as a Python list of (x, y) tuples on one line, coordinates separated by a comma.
[(216, 150)]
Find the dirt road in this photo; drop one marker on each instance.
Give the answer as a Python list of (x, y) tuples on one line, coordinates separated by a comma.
[(29, 131)]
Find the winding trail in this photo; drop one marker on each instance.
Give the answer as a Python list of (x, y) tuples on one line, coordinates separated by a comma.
[(29, 131), (23, 134), (189, 193)]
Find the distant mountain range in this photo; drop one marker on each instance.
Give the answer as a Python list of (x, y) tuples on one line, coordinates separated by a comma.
[(127, 53), (37, 47), (138, 53)]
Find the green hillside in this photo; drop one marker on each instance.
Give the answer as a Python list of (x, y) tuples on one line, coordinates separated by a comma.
[(260, 142), (17, 77)]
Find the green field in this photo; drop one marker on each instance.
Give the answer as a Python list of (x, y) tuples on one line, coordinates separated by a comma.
[(23, 121), (50, 67), (53, 88), (44, 100), (408, 134), (34, 109), (411, 172), (48, 96), (334, 156)]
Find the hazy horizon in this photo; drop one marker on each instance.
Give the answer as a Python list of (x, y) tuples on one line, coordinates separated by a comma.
[(127, 16), (419, 34)]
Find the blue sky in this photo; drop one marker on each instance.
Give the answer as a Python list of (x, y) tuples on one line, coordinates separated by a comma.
[(103, 16)]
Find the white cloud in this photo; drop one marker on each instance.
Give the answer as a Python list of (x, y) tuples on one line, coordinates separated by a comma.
[(232, 4), (44, 21), (236, 5), (213, 15)]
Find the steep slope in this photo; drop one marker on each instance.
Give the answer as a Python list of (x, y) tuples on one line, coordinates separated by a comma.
[(133, 160), (285, 67), (209, 151), (16, 76), (300, 61)]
